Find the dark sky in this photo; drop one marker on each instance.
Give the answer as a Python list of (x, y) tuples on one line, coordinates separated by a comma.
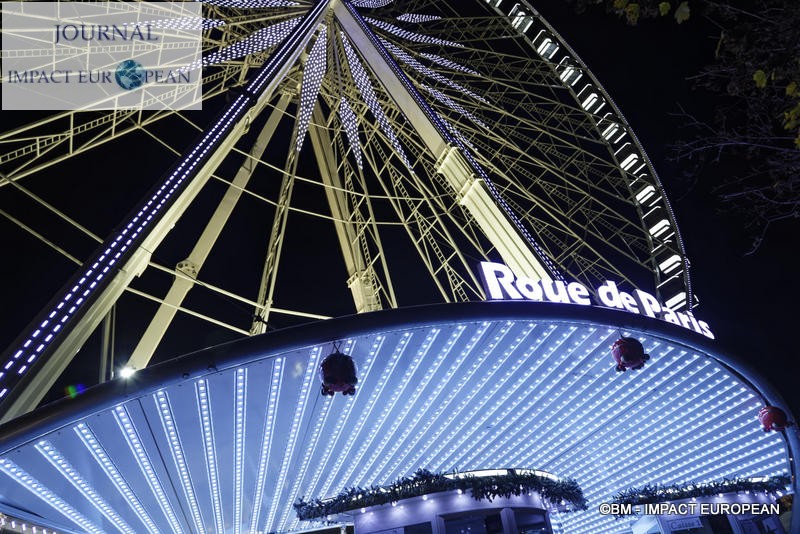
[(748, 300)]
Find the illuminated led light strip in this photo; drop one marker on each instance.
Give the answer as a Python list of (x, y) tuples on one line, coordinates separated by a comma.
[(531, 411), (664, 420), (371, 3), (622, 388), (283, 54), (176, 448), (298, 473), (239, 429), (305, 391), (411, 36), (350, 123), (666, 424), (602, 410), (251, 4), (181, 23), (461, 445), (465, 382), (410, 369), (549, 265), (98, 452), (448, 63), (397, 353), (313, 72), (478, 444), (484, 414), (714, 460), (452, 104), (311, 487), (22, 477), (210, 449), (418, 18), (368, 96), (258, 41), (135, 443), (603, 485), (578, 400), (398, 420), (266, 441), (66, 470), (406, 58), (655, 465)]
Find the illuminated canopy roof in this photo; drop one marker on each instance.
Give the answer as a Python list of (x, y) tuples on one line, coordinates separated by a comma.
[(191, 445)]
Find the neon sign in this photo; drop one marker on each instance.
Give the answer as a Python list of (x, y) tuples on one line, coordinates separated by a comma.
[(501, 283)]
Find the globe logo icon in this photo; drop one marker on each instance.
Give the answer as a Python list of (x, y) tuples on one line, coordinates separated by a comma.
[(130, 74)]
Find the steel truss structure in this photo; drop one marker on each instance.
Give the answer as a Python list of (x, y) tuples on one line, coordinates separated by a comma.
[(472, 130)]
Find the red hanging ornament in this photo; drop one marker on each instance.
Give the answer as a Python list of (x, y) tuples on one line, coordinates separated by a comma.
[(773, 418), (338, 373), (629, 354)]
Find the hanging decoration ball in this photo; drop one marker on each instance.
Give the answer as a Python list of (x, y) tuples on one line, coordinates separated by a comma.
[(338, 373), (629, 354), (773, 418)]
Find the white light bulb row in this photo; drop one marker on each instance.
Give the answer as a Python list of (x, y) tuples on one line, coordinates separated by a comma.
[(449, 63), (180, 23), (251, 4), (398, 394), (541, 434), (267, 441), (350, 123), (30, 483), (508, 393), (239, 429), (176, 448), (376, 425), (258, 41), (372, 4), (313, 72), (210, 449), (455, 106), (479, 444), (341, 422), (404, 57), (66, 470), (464, 382), (366, 415), (364, 85), (418, 18), (629, 442), (311, 443), (411, 36), (142, 459), (305, 391), (461, 420), (672, 434), (628, 394), (99, 454)]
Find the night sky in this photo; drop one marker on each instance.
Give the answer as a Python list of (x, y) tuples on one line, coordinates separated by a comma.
[(748, 300)]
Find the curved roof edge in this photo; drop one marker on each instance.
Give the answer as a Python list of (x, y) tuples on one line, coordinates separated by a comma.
[(214, 359)]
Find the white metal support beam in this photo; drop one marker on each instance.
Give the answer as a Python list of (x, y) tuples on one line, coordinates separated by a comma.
[(194, 261), (470, 190)]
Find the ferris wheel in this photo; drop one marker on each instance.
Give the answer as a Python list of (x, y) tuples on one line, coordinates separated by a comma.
[(352, 156)]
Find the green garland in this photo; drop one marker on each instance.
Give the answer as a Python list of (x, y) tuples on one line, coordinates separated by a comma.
[(424, 482), (656, 493)]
